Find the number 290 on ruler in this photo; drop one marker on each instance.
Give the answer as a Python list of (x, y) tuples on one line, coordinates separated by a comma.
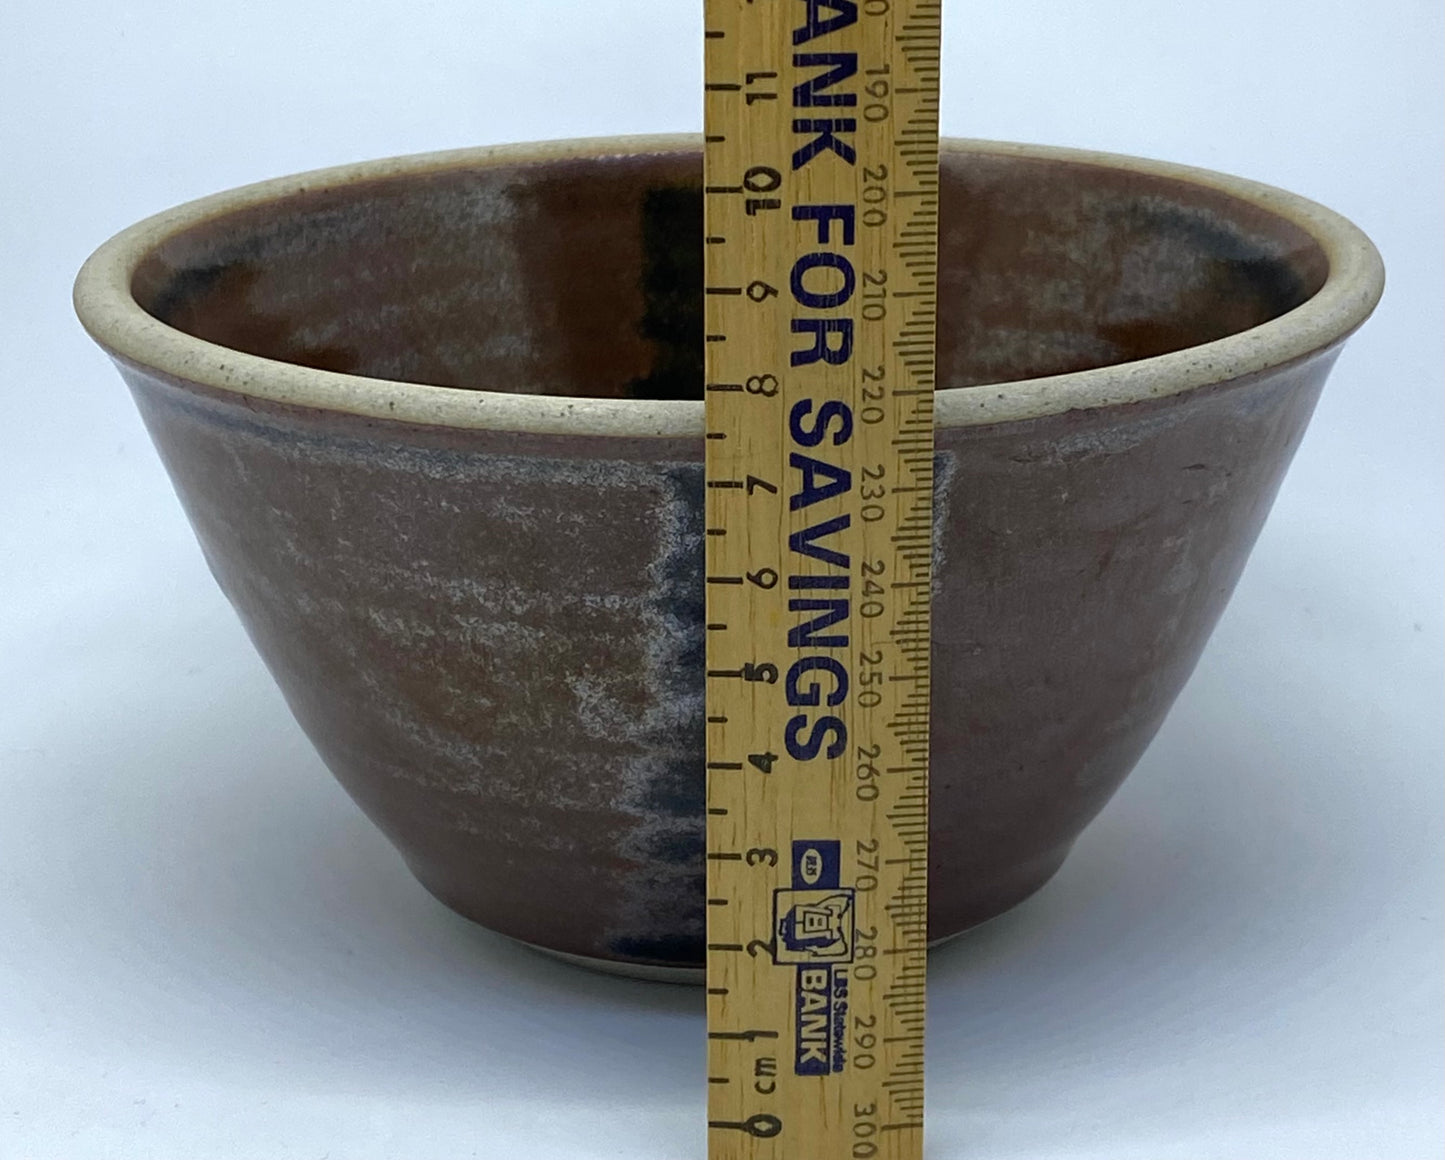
[(821, 204)]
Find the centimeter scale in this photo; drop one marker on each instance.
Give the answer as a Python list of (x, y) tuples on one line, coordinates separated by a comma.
[(821, 196)]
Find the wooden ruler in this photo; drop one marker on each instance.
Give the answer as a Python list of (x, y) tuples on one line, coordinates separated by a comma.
[(821, 182)]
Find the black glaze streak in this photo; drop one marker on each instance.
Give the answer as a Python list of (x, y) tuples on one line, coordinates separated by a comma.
[(217, 302), (1273, 281), (672, 276), (1239, 266), (682, 598), (681, 950), (184, 287), (683, 848), (677, 792)]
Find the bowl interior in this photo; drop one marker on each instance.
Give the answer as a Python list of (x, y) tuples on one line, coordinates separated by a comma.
[(584, 276)]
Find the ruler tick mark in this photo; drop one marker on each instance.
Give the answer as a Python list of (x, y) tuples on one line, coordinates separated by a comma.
[(751, 388)]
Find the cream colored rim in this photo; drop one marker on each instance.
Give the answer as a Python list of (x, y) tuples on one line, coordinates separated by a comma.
[(110, 313)]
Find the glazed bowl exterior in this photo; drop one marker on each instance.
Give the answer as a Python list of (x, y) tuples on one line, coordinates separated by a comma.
[(436, 422)]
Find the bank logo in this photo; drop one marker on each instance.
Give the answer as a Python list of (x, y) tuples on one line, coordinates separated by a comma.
[(814, 926), (813, 922)]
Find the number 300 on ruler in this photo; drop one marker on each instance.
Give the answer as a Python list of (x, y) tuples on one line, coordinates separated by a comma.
[(821, 180)]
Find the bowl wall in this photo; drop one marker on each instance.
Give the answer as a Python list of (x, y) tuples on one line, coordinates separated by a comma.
[(583, 276), (495, 637)]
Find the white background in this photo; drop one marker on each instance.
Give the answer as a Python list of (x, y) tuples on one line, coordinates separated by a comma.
[(205, 950)]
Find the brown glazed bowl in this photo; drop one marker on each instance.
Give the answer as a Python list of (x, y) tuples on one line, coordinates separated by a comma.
[(437, 422)]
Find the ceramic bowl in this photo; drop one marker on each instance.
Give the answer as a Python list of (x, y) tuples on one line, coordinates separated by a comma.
[(437, 423)]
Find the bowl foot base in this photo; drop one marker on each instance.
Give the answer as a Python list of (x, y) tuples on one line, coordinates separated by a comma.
[(696, 976)]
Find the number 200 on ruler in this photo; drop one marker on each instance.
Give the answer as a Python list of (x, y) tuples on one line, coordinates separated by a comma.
[(821, 200)]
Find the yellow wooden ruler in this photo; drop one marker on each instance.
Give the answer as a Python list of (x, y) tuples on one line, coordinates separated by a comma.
[(821, 182)]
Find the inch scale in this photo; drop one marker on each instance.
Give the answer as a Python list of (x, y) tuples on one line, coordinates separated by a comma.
[(821, 203)]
